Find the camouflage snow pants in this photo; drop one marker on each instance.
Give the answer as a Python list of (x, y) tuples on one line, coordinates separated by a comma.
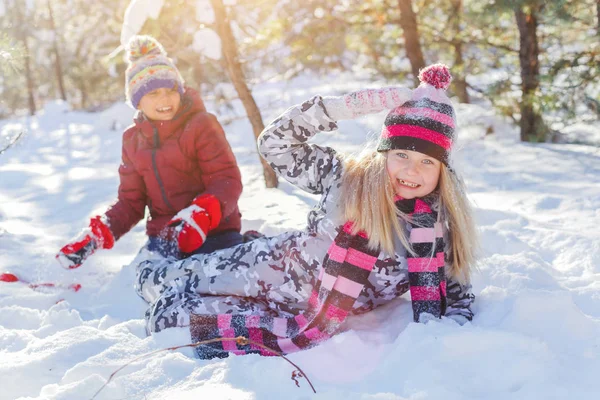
[(270, 275)]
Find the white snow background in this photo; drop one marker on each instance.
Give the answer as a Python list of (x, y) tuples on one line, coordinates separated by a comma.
[(536, 333)]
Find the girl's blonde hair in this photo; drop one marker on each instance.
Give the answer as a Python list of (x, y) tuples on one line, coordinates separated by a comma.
[(457, 213), (368, 201)]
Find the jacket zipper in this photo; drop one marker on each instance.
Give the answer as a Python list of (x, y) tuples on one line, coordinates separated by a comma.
[(155, 168)]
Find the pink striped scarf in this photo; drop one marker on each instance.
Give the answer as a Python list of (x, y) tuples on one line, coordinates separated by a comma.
[(346, 269)]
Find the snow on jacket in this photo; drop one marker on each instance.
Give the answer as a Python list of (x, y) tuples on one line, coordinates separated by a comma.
[(166, 164), (275, 275)]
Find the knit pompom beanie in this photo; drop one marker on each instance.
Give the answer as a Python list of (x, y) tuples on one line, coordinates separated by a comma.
[(148, 69), (427, 121)]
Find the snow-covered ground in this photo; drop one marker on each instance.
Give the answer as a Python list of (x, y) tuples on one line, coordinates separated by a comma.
[(536, 334)]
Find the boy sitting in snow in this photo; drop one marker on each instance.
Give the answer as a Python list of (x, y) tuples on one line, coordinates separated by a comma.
[(176, 161)]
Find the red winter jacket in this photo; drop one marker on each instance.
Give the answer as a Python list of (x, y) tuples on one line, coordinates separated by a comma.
[(166, 164)]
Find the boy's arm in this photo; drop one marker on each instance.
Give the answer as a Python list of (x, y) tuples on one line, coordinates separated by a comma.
[(283, 144), (220, 172), (131, 203), (119, 219)]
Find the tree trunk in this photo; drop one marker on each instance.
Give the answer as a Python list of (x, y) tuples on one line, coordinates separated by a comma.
[(408, 22), (22, 36), (459, 81), (57, 59), (83, 91), (598, 16), (533, 128), (236, 74)]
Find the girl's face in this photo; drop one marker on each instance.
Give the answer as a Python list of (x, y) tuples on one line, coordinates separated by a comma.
[(160, 104), (413, 174)]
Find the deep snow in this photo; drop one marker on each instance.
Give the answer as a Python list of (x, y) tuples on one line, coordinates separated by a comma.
[(536, 333)]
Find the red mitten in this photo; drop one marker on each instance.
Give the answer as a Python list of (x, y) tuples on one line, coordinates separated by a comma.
[(96, 236), (193, 223)]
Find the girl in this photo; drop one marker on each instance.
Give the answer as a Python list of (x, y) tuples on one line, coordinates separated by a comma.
[(389, 221), (176, 161)]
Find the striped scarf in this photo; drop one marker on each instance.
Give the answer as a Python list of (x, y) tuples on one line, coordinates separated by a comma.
[(426, 268), (346, 269)]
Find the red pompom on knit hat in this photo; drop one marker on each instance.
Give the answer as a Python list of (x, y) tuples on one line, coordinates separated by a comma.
[(437, 75), (427, 121)]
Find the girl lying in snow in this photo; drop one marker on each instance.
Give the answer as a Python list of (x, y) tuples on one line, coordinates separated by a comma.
[(389, 221)]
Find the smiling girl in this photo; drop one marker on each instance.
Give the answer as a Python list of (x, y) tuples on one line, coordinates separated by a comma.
[(389, 221)]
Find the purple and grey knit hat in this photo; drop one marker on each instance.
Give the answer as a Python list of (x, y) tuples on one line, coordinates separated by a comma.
[(149, 69)]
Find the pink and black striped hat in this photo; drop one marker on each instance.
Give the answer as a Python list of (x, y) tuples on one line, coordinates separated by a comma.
[(426, 122)]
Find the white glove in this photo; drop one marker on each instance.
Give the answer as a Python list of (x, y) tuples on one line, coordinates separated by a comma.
[(367, 101)]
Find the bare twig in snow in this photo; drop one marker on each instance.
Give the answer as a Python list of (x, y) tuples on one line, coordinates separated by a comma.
[(12, 142), (241, 340)]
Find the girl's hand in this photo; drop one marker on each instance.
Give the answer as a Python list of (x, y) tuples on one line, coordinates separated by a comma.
[(366, 101)]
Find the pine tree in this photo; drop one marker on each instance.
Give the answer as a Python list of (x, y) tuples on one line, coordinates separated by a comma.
[(11, 62), (10, 56), (458, 68), (412, 44), (56, 50), (533, 128), (598, 17), (18, 12)]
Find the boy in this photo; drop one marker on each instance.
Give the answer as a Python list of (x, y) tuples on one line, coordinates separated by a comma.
[(175, 160)]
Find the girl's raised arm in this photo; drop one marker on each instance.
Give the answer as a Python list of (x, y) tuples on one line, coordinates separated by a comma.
[(283, 145), (308, 166)]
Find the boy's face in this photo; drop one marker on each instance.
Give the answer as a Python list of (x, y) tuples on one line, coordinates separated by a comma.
[(413, 174), (160, 104)]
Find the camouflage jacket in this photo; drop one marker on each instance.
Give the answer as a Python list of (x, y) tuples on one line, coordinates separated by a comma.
[(275, 276)]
